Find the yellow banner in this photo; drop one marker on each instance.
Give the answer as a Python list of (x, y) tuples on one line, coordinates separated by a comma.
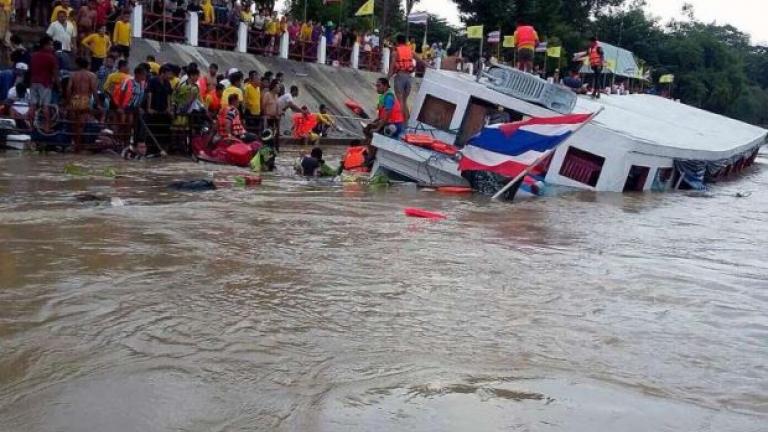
[(667, 79), (366, 9), (554, 52), (611, 65), (474, 32), (509, 41)]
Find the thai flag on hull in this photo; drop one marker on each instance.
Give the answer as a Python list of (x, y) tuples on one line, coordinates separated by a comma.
[(508, 149)]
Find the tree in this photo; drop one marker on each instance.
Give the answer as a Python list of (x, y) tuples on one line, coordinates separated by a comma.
[(715, 67)]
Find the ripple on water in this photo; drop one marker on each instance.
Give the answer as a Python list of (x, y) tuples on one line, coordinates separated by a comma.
[(307, 306)]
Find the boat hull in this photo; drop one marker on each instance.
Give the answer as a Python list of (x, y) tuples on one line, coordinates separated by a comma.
[(417, 164)]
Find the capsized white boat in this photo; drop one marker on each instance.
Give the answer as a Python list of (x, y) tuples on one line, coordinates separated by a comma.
[(638, 142)]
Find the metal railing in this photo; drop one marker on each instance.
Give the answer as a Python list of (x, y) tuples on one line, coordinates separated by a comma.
[(164, 28), (218, 36)]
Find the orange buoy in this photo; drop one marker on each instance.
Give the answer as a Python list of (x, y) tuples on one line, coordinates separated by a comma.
[(424, 214)]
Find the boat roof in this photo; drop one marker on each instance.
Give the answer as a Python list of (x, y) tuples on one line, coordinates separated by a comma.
[(664, 123), (654, 125)]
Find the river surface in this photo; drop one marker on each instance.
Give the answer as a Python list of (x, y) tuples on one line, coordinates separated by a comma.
[(305, 306)]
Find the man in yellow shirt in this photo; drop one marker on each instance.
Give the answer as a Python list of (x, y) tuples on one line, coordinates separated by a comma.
[(208, 15), (115, 79), (98, 44), (122, 35), (252, 101), (306, 31), (154, 66), (245, 15), (325, 121), (235, 81), (63, 7)]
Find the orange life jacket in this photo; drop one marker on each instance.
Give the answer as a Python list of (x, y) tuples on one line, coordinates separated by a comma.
[(303, 126), (396, 116), (404, 61), (215, 105), (595, 59), (202, 84), (354, 160), (526, 37)]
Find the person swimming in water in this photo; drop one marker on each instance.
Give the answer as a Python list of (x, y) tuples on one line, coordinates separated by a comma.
[(313, 165)]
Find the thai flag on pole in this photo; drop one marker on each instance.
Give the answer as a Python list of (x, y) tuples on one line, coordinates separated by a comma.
[(509, 149)]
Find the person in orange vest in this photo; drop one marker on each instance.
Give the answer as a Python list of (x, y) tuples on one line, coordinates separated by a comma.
[(303, 125), (526, 40), (401, 67), (596, 57), (596, 62), (390, 120), (213, 100)]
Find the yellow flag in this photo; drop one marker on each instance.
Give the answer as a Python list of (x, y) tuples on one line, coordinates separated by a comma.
[(509, 41), (667, 79), (554, 51), (475, 32), (611, 65), (365, 9)]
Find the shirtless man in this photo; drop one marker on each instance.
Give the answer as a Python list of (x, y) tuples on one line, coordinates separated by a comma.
[(86, 18), (82, 90)]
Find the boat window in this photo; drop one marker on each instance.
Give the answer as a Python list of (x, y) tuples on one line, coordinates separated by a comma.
[(663, 178), (478, 112), (582, 166), (437, 113), (636, 178)]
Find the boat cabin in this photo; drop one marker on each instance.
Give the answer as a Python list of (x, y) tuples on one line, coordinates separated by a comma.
[(638, 143)]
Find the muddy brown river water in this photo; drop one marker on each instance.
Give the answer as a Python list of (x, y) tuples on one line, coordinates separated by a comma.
[(304, 306)]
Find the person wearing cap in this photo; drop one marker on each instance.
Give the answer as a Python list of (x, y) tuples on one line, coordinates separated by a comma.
[(10, 77)]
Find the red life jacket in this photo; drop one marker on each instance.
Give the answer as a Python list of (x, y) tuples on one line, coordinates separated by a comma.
[(526, 37), (396, 116), (404, 61), (595, 59)]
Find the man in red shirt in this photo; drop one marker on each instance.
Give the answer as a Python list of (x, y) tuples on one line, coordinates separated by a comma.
[(43, 73)]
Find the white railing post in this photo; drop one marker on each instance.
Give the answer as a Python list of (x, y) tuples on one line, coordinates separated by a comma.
[(192, 27), (471, 69), (242, 37), (438, 62), (385, 59), (356, 56), (321, 48), (284, 45), (137, 21)]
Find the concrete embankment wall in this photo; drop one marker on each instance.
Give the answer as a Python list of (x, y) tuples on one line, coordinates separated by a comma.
[(318, 84)]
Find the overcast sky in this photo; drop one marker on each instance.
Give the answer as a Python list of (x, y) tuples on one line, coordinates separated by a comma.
[(750, 16)]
